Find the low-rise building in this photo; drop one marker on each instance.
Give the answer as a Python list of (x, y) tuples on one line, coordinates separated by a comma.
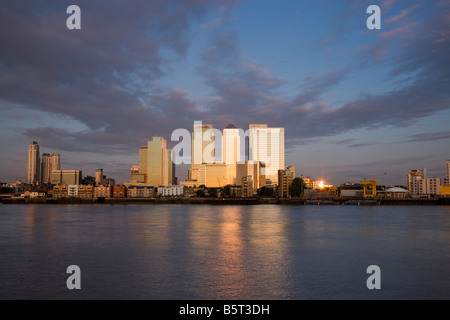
[(119, 191), (102, 191), (171, 191), (60, 191), (397, 193), (140, 191), (85, 191)]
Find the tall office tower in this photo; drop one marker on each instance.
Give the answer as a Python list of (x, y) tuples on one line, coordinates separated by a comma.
[(157, 162), (267, 145), (231, 152), (447, 173), (156, 167), (413, 177), (203, 150), (49, 163), (33, 163)]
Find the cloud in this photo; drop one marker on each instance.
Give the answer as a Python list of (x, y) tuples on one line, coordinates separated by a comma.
[(402, 14), (429, 136), (108, 76)]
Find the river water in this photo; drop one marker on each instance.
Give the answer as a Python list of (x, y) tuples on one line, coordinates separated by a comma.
[(224, 252)]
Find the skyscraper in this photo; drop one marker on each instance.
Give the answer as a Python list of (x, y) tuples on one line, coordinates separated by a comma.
[(157, 162), (49, 163), (155, 165), (267, 145), (202, 144), (231, 152), (33, 163)]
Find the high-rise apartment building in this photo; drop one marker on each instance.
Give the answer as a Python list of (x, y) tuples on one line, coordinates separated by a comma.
[(33, 163), (413, 177), (267, 145), (429, 186), (49, 163)]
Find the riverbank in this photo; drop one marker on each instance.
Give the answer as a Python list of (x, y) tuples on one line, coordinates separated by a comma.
[(232, 201)]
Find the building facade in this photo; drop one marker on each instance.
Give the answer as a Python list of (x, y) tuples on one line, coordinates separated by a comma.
[(266, 145), (429, 186), (156, 167), (102, 191), (49, 163), (33, 163), (284, 183), (68, 177), (140, 192), (413, 177), (171, 191), (119, 191)]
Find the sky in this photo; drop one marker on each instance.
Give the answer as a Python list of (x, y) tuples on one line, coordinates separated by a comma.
[(355, 103)]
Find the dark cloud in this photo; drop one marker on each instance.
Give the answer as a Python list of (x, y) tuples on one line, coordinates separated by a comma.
[(107, 75)]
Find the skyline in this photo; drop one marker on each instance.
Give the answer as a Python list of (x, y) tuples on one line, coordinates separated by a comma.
[(354, 102)]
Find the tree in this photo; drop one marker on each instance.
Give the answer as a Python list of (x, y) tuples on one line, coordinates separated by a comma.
[(226, 191), (296, 188), (201, 193), (266, 192)]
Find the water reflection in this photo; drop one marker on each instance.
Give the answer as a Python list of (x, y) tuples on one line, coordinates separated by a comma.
[(224, 252)]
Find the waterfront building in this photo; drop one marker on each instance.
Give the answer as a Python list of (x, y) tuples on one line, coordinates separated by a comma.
[(140, 191), (33, 163), (102, 191), (119, 191), (49, 163), (351, 190), (72, 191), (284, 182), (236, 191), (429, 186), (413, 177), (247, 187), (397, 193), (68, 177), (85, 191), (171, 191), (266, 145), (60, 191)]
